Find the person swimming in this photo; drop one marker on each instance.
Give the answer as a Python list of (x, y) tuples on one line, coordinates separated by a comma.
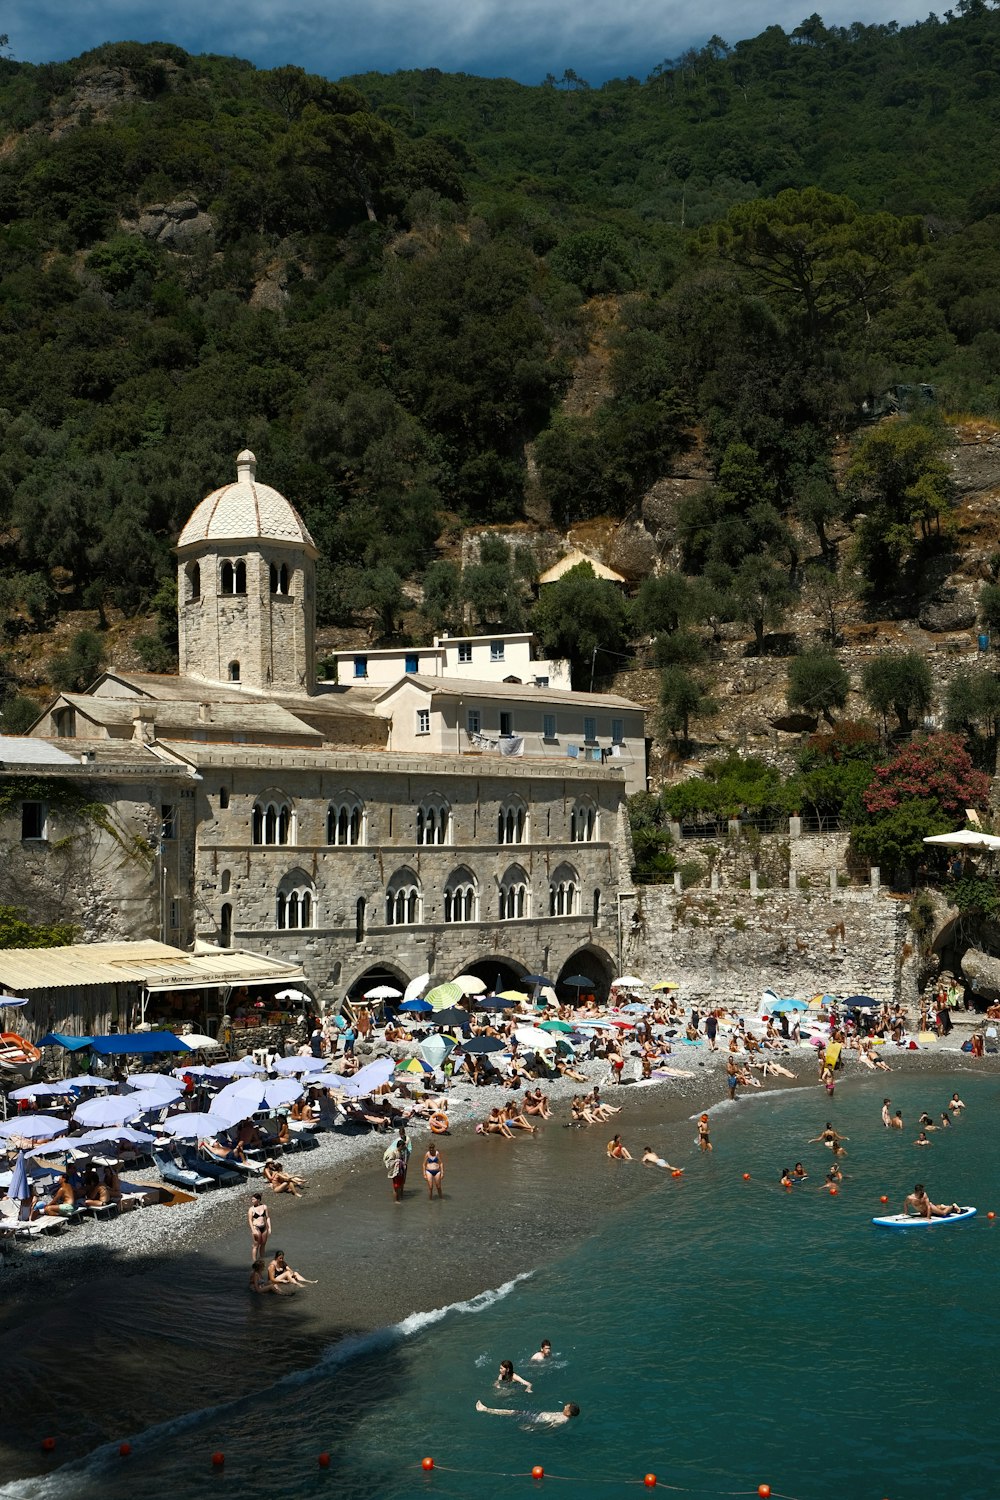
[(534, 1418), (649, 1158)]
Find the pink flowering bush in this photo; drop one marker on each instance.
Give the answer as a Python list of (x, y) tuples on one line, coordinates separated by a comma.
[(937, 768)]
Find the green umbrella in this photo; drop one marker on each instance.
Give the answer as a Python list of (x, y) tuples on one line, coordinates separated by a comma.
[(444, 995), (555, 1026)]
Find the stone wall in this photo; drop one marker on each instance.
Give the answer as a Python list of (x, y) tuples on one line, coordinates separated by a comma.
[(729, 945)]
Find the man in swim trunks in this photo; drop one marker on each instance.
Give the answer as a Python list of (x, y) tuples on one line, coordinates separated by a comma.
[(534, 1418), (886, 1117), (918, 1204), (544, 1352), (650, 1159)]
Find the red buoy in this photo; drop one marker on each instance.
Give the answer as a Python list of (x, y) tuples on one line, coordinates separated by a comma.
[(427, 1464), (124, 1449), (650, 1481), (324, 1460), (218, 1459), (883, 1199), (538, 1472), (746, 1176), (48, 1445), (991, 1214), (763, 1491), (833, 1194)]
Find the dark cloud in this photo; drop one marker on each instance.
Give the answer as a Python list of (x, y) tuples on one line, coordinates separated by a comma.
[(524, 39)]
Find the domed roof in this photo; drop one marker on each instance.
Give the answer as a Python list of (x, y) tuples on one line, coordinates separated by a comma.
[(245, 512)]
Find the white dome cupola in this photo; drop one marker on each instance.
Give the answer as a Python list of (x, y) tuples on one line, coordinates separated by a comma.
[(246, 588)]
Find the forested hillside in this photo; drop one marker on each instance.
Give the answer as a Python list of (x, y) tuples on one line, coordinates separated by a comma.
[(384, 286)]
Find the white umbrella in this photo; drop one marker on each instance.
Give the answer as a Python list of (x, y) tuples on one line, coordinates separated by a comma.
[(38, 1090), (197, 1125), (628, 982), (114, 1109), (13, 1000), (87, 1081), (196, 1040), (239, 1100), (470, 984), (308, 1064), (287, 995), (965, 838), (32, 1128), (383, 992), (416, 987), (535, 1039)]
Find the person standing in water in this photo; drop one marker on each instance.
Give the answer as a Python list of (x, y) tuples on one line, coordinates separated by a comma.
[(543, 1352), (433, 1170), (704, 1136), (259, 1221)]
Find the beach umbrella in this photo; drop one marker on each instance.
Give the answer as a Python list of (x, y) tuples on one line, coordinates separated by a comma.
[(555, 1026), (513, 997), (249, 1095), (242, 1067), (414, 1065), (290, 1065), (18, 1190), (493, 1002), (149, 1081), (113, 1109), (13, 1001), (32, 1128), (547, 996), (284, 995), (863, 1002), (453, 1016), (628, 982), (578, 982), (86, 1081), (788, 1004), (535, 979), (665, 984), (470, 984), (196, 1040), (965, 838), (481, 1046), (373, 1075), (199, 1124), (383, 992), (38, 1091), (112, 1136), (416, 1005), (416, 987), (327, 1081), (635, 1009), (444, 994), (534, 1038), (435, 1049)]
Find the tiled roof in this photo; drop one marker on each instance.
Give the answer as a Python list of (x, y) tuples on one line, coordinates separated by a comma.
[(245, 511)]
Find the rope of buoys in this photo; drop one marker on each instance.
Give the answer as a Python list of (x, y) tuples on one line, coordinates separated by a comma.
[(649, 1481)]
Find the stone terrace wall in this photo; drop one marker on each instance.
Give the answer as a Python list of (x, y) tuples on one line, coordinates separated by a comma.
[(729, 945)]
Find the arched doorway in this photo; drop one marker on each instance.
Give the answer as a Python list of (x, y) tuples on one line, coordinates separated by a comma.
[(377, 975), (586, 963), (497, 973)]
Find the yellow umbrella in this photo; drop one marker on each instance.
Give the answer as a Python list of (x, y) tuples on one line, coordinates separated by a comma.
[(515, 995), (665, 984)]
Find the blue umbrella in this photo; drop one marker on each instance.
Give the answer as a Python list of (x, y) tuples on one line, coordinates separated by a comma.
[(494, 1002), (790, 1004), (536, 979), (18, 1190), (418, 1005), (863, 1002)]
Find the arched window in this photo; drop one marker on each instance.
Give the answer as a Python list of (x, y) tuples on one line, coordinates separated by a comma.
[(294, 902), (514, 895), (65, 723), (359, 920), (564, 892), (225, 881), (279, 578), (402, 900), (345, 821), (583, 823), (240, 578), (234, 671), (226, 925), (512, 822), (233, 578), (271, 823), (461, 897), (434, 821), (194, 581)]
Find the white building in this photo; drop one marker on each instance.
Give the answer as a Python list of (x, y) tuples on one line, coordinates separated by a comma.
[(485, 658)]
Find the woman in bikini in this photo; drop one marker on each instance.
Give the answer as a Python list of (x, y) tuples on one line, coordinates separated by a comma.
[(259, 1282), (281, 1181), (433, 1171), (259, 1220), (617, 1150)]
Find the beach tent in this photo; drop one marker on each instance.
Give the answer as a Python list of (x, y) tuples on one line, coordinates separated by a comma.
[(71, 1043), (137, 1042)]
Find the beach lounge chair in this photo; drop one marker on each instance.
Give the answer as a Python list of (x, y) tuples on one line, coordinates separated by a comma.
[(182, 1177), (101, 1211), (12, 1225), (211, 1166)]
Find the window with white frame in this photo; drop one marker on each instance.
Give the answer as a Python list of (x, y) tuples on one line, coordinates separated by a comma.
[(583, 822), (465, 652), (271, 822), (564, 892), (345, 821), (423, 721), (514, 895), (512, 822), (402, 900), (433, 821), (461, 897), (294, 903), (496, 650)]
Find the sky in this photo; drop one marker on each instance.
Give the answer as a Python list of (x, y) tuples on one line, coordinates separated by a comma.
[(521, 39)]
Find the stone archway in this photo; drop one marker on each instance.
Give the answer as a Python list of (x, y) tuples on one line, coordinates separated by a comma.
[(496, 972), (372, 977), (592, 963)]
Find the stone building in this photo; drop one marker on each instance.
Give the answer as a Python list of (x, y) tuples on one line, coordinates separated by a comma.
[(370, 832)]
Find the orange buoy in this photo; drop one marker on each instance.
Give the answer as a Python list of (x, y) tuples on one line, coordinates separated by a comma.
[(763, 1491), (833, 1194), (746, 1176), (48, 1445), (677, 1172), (883, 1199), (324, 1460), (650, 1481), (124, 1449), (218, 1459), (427, 1464), (538, 1472), (991, 1214)]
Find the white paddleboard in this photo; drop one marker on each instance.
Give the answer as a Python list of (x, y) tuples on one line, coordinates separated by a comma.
[(912, 1221)]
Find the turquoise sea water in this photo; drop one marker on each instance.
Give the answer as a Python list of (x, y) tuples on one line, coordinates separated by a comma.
[(718, 1332)]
